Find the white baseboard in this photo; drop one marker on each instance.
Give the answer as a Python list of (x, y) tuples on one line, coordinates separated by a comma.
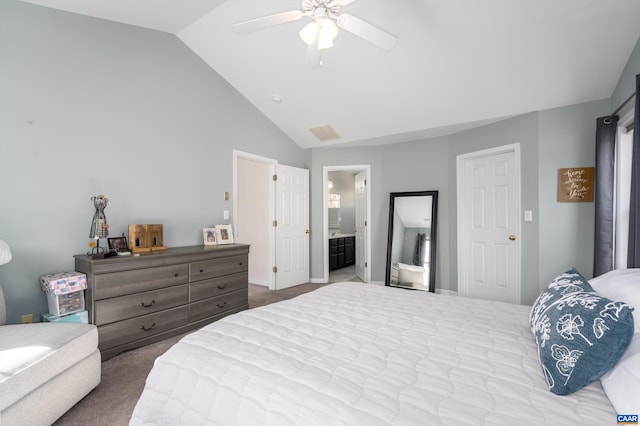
[(259, 282), (446, 291), (317, 281)]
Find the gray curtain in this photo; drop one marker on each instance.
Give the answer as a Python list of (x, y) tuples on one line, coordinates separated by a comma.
[(604, 194), (633, 259), (420, 249)]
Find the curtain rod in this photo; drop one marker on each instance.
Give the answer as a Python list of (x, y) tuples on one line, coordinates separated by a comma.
[(608, 119)]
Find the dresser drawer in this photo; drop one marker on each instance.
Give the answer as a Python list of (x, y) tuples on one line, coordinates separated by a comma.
[(133, 305), (127, 282), (217, 286), (217, 305), (219, 267), (121, 332)]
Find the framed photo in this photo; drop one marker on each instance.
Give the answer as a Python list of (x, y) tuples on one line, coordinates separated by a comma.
[(224, 234), (209, 236), (118, 244)]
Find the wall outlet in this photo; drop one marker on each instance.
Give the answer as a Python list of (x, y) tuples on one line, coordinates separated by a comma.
[(26, 319)]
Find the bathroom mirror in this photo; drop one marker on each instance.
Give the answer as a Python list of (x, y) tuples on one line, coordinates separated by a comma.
[(411, 245)]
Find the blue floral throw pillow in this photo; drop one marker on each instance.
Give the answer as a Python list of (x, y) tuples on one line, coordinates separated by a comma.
[(580, 334)]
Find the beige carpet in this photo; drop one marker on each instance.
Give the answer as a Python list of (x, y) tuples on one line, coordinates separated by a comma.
[(123, 376)]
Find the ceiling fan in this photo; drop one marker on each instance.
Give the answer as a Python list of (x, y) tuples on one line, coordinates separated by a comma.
[(319, 34)]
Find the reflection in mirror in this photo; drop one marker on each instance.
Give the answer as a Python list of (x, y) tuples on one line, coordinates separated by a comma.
[(334, 212), (411, 243)]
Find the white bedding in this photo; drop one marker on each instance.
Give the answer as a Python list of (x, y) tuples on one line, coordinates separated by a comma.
[(361, 354)]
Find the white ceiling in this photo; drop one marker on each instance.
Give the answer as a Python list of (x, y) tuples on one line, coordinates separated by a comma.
[(458, 63), (414, 212)]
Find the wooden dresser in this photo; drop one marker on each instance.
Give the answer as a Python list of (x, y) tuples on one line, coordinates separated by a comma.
[(138, 300)]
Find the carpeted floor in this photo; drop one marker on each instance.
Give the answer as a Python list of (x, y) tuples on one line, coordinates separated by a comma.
[(123, 376)]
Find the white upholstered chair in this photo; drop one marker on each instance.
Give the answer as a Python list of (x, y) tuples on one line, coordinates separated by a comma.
[(45, 368)]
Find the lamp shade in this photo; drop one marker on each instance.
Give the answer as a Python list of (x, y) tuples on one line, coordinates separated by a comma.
[(309, 33), (328, 32), (5, 253)]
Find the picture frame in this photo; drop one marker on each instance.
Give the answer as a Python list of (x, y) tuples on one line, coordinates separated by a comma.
[(118, 244), (576, 184), (224, 234), (209, 235)]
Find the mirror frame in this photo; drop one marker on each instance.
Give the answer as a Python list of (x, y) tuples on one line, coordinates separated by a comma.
[(432, 235)]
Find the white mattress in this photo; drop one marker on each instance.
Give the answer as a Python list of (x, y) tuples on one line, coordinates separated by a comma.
[(361, 354)]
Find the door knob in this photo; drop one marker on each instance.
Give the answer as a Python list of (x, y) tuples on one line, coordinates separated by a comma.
[(512, 237), (307, 232)]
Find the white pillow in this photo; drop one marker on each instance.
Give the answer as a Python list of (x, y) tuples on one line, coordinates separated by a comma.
[(622, 382), (407, 267), (407, 276), (621, 285)]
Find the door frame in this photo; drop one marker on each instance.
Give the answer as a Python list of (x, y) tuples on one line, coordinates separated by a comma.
[(325, 215), (463, 212), (271, 208)]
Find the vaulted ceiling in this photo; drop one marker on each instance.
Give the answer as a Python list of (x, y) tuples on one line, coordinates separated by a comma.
[(458, 63)]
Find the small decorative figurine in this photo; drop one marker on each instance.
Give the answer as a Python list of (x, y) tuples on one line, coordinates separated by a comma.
[(99, 225)]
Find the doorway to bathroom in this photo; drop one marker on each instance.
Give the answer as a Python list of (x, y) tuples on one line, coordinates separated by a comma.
[(346, 215)]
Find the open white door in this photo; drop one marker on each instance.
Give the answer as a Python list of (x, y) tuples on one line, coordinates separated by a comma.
[(361, 225), (292, 227)]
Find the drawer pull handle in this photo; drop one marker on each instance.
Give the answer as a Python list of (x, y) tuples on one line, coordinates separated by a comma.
[(201, 270), (145, 305), (142, 327), (222, 286), (222, 305), (176, 275), (240, 264)]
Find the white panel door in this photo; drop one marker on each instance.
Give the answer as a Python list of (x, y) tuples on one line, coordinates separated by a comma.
[(490, 253), (361, 226), (292, 229)]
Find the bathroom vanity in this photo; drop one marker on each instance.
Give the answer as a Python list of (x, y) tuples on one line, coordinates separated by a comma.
[(342, 251)]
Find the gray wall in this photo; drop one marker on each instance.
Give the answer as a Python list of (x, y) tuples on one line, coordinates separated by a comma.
[(561, 234), (522, 130), (94, 107), (315, 160), (411, 166), (627, 83), (567, 139)]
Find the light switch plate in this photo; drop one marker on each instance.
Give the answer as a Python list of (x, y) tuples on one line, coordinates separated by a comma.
[(528, 216)]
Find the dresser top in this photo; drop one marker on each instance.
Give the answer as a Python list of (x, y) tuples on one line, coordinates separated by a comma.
[(170, 256)]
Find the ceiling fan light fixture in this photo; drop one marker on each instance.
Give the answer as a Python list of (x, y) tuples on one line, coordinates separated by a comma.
[(324, 42), (328, 32), (309, 33)]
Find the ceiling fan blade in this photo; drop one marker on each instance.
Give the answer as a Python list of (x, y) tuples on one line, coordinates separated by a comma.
[(267, 21), (368, 32), (345, 2), (313, 56)]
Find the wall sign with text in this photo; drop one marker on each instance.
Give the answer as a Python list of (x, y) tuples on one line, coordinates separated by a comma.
[(576, 184)]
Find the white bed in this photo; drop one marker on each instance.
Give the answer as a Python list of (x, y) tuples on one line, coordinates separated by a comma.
[(361, 354)]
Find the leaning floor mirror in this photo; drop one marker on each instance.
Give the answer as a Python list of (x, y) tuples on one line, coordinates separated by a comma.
[(411, 245)]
